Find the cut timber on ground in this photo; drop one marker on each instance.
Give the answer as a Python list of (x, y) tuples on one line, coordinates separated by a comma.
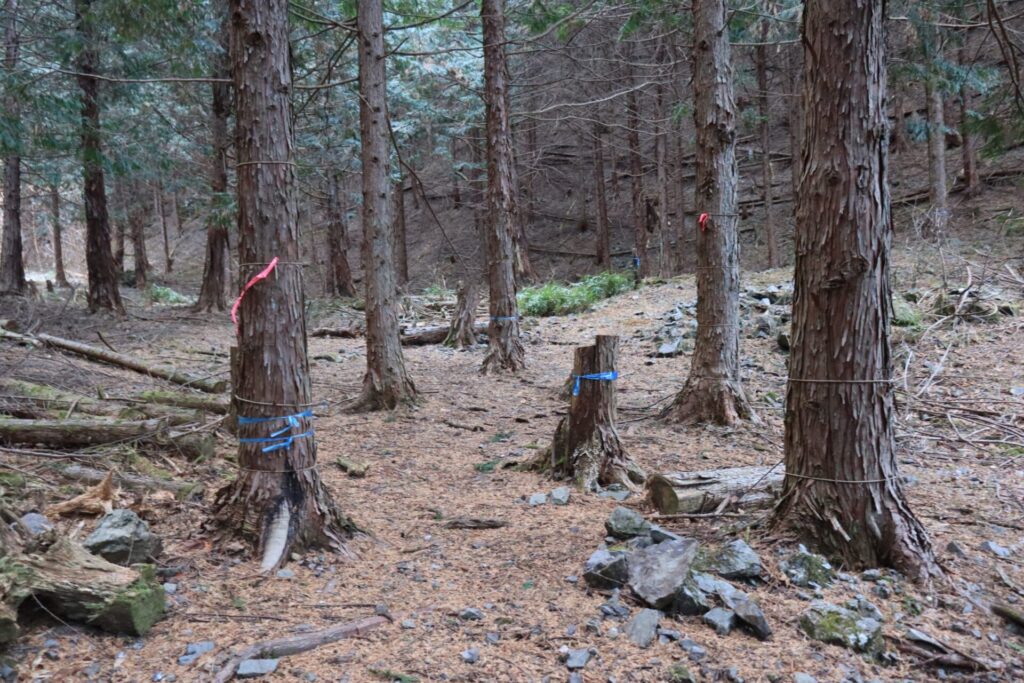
[(704, 491)]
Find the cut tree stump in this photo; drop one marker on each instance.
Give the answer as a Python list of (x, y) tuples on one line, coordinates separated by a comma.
[(462, 331), (704, 491), (76, 585), (586, 446), (206, 384)]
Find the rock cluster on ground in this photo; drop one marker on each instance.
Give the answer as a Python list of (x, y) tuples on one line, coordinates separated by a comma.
[(123, 538)]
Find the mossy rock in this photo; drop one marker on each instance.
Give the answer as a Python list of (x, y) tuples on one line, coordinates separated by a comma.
[(805, 569), (679, 673), (904, 314), (839, 626)]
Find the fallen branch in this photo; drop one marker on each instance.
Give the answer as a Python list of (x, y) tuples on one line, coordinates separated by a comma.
[(356, 470), (131, 481), (475, 523), (283, 647)]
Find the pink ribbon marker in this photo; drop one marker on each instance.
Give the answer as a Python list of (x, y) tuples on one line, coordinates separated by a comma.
[(703, 221), (262, 275)]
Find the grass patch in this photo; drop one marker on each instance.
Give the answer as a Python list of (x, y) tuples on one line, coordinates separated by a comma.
[(166, 295), (485, 467), (557, 299)]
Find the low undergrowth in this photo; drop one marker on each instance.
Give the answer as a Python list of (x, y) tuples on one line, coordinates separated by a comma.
[(554, 298)]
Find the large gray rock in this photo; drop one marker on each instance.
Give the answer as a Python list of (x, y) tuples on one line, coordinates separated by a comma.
[(736, 560), (254, 668), (700, 592), (123, 538), (642, 628), (626, 523), (833, 624), (606, 569), (656, 573), (807, 569)]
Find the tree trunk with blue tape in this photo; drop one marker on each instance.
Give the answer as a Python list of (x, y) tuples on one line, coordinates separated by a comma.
[(586, 447)]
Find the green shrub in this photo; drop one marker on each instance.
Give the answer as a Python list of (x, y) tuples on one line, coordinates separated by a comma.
[(166, 295), (557, 299)]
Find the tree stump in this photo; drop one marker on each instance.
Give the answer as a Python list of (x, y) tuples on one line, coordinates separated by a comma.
[(586, 446), (462, 332)]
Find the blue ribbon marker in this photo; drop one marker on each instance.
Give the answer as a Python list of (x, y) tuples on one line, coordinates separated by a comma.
[(600, 377), (636, 262), (278, 439), (504, 317)]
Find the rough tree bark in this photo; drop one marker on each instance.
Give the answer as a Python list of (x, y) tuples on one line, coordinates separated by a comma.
[(278, 501), (401, 245), (937, 192), (682, 206), (462, 331), (841, 488), (713, 392), (160, 207), (665, 260), (137, 225), (216, 272), (58, 238), (795, 66), (339, 274), (99, 261), (766, 148), (586, 446), (12, 264), (636, 174), (386, 383), (506, 349), (604, 235), (969, 148)]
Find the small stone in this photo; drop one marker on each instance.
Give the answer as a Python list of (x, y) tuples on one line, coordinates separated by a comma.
[(537, 499), (285, 574), (471, 656), (492, 637), (801, 677), (570, 630), (678, 673), (669, 634), (807, 569), (736, 560), (560, 496), (882, 591), (616, 492), (577, 658), (613, 608), (408, 624), (720, 619), (642, 628), (592, 626), (254, 668), (123, 538), (995, 549), (625, 523), (732, 674), (751, 615), (471, 614), (571, 579), (35, 523), (669, 349), (10, 675), (659, 535), (575, 677), (200, 648), (872, 575), (170, 588)]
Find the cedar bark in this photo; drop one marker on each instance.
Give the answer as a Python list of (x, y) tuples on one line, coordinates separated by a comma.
[(665, 260), (937, 193), (586, 446), (679, 253), (636, 174), (503, 258), (713, 392), (401, 245), (604, 236), (386, 383), (766, 148), (340, 282), (12, 263), (58, 238), (216, 271), (969, 149), (99, 261), (462, 331), (137, 224), (278, 500), (795, 66), (160, 206), (839, 404)]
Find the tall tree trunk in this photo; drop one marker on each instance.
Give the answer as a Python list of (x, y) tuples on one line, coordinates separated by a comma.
[(386, 383), (120, 224), (456, 186), (58, 238), (682, 207), (160, 207), (636, 173), (216, 272), (505, 350), (969, 149), (841, 489), (340, 282), (795, 67), (401, 244), (665, 233), (937, 194), (137, 223), (278, 500), (713, 392), (99, 261), (12, 263), (766, 148), (604, 235)]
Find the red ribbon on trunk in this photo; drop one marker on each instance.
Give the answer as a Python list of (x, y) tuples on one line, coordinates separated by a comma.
[(702, 221), (262, 275)]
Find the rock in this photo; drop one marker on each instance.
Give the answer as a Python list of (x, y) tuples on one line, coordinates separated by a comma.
[(736, 560), (956, 549), (606, 569), (749, 612), (35, 523), (170, 588), (578, 658), (833, 624), (720, 619), (200, 648), (995, 549), (657, 573), (801, 677), (669, 634), (872, 575), (254, 668), (865, 608), (678, 673), (560, 496), (408, 624), (123, 538), (659, 535), (616, 492), (806, 569), (625, 523), (700, 592), (670, 348), (782, 339), (492, 637), (642, 628), (764, 325), (904, 314), (8, 674), (537, 499), (471, 656), (576, 677), (285, 574), (471, 614), (615, 609)]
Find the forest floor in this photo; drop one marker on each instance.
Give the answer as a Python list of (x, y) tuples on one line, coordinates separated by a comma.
[(427, 466)]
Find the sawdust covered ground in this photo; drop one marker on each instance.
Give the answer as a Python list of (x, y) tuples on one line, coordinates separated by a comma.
[(422, 474)]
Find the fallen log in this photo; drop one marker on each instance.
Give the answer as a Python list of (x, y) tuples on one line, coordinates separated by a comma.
[(131, 481), (40, 401), (205, 384), (340, 332), (356, 470), (704, 491), (432, 334), (181, 400), (76, 585), (283, 647), (71, 433)]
